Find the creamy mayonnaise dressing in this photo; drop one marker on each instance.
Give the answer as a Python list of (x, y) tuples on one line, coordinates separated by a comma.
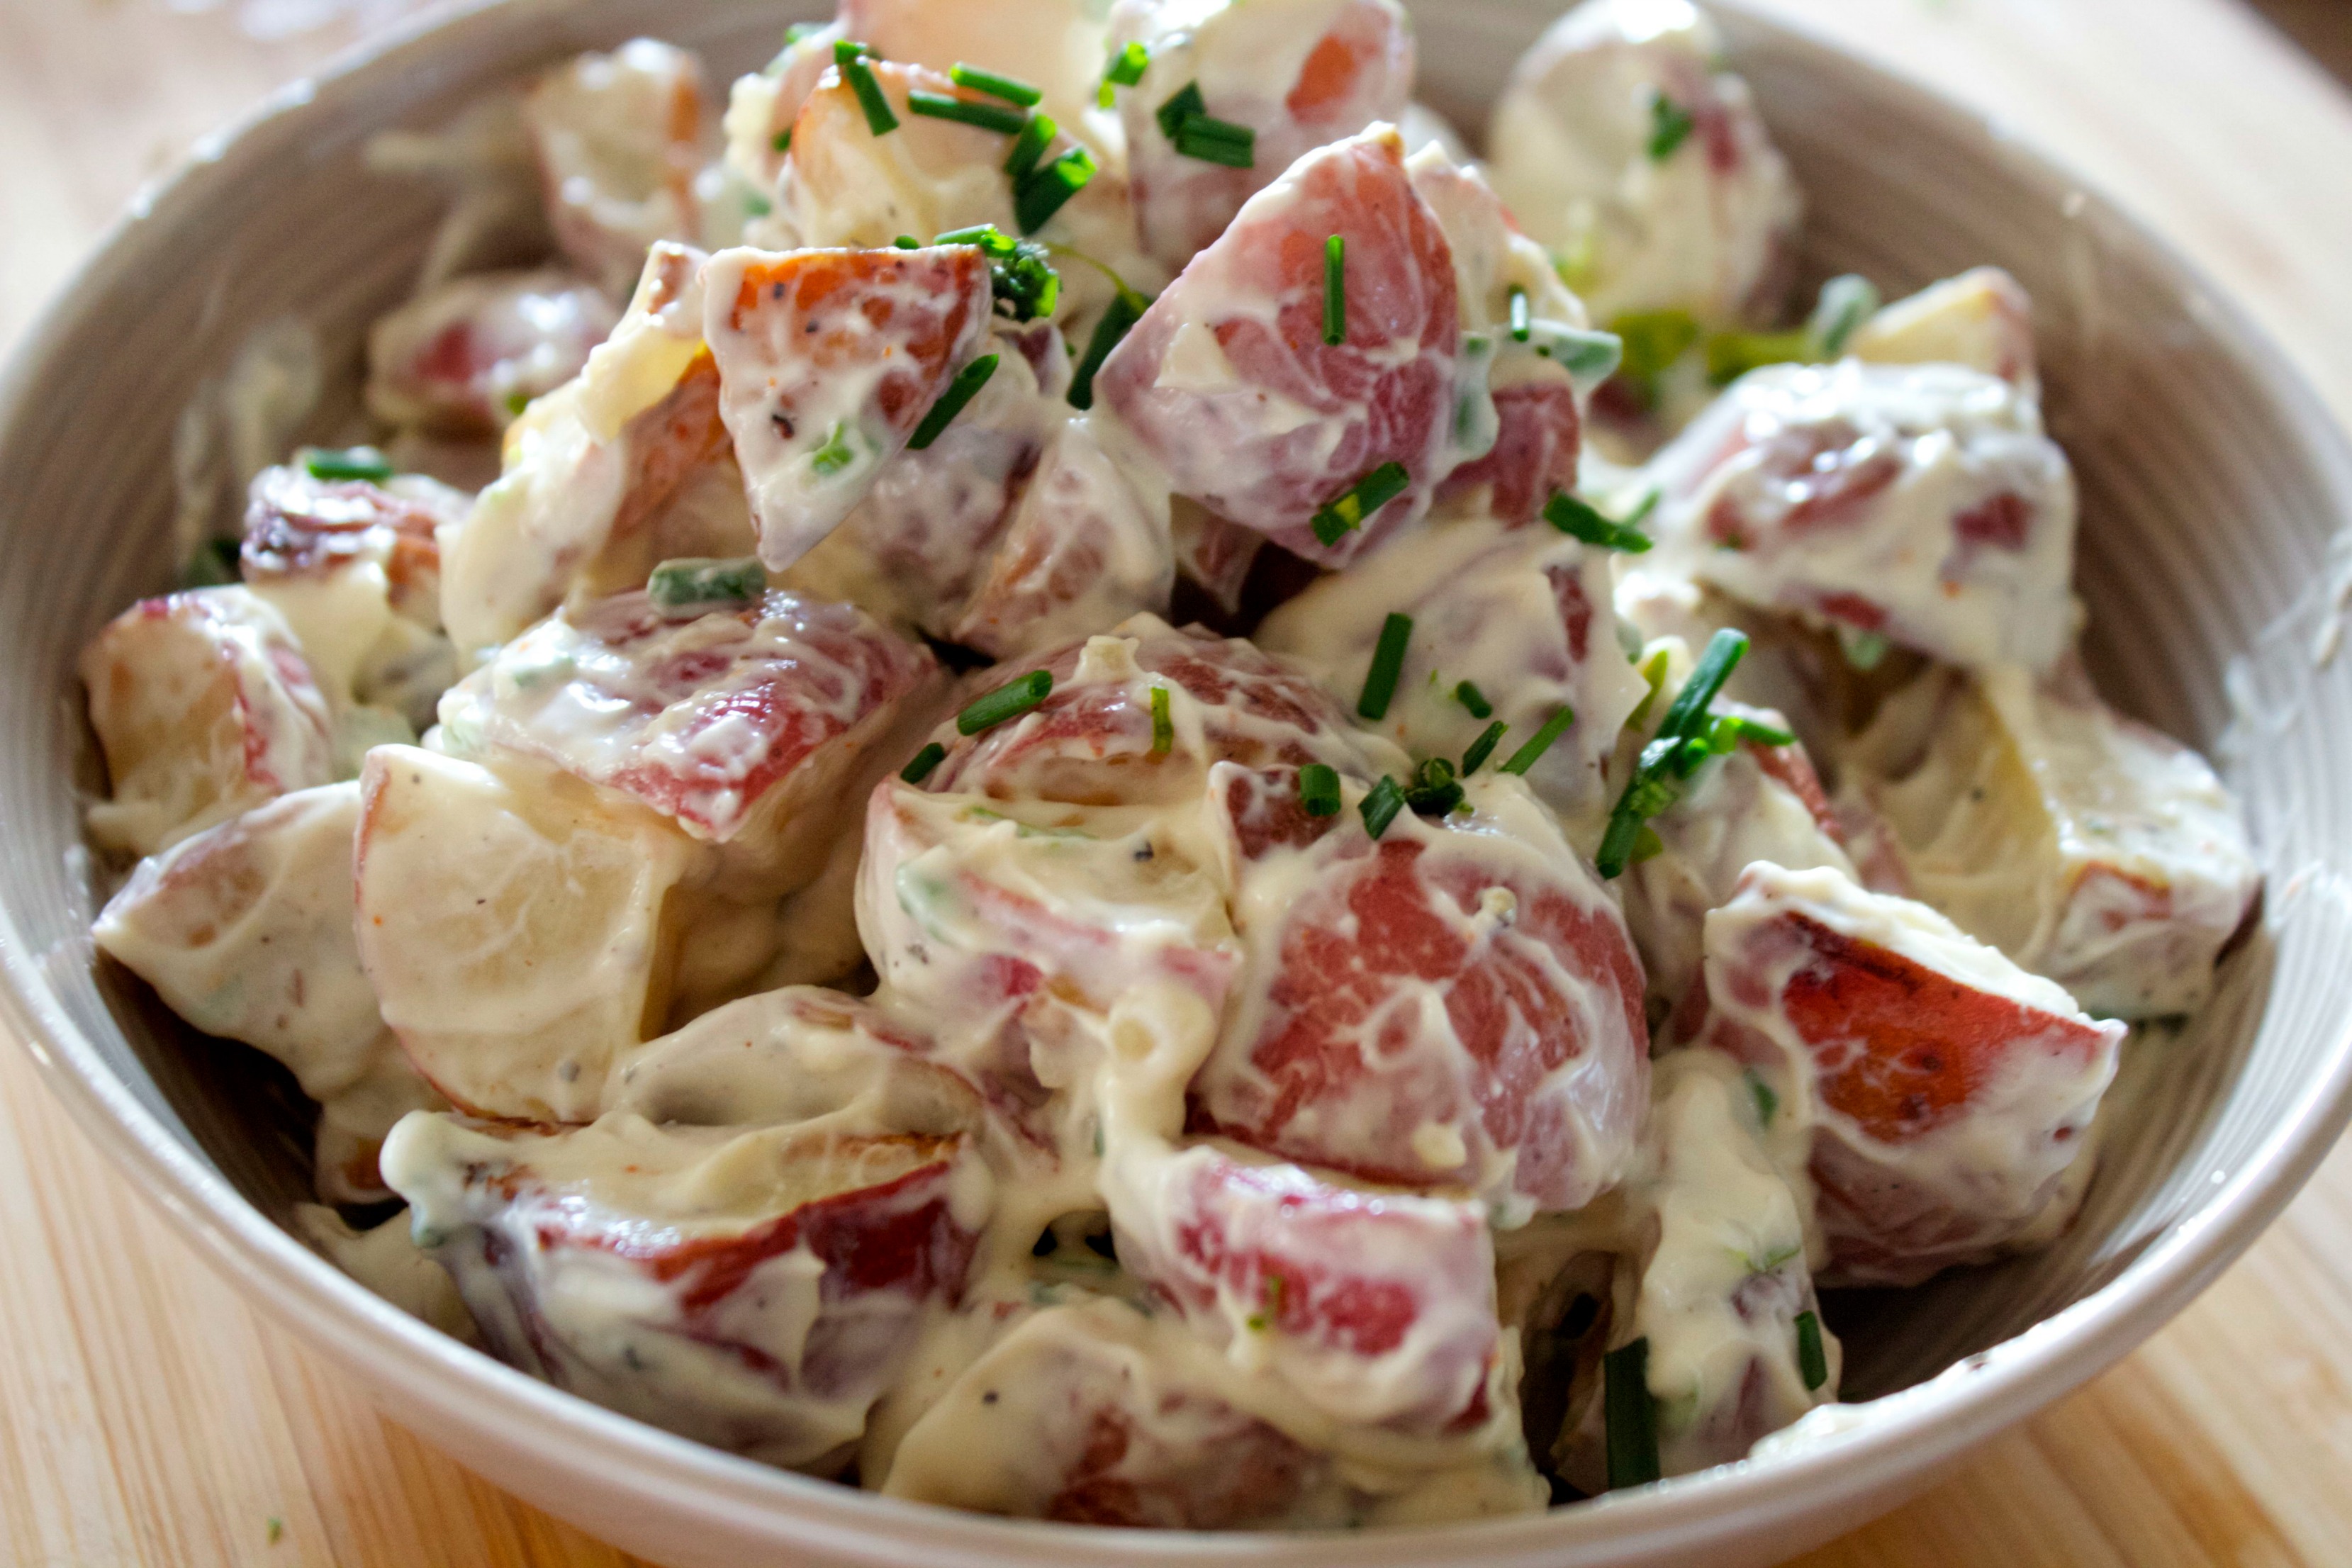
[(1154, 1081)]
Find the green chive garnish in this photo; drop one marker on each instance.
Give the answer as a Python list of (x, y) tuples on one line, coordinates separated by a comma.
[(1163, 723), (1768, 1103), (1007, 701), (987, 235), (1846, 301), (1523, 324), (1126, 310), (1388, 663), (362, 463), (679, 585), (783, 142), (1348, 510), (1483, 747), (1730, 355), (836, 455), (1687, 737), (1037, 133), (1813, 1361), (216, 563), (1044, 192), (907, 242), (1335, 290), (1470, 697), (799, 30), (930, 757), (987, 116), (1670, 126), (1381, 807), (1724, 652), (1318, 789), (1187, 103), (1630, 1416), (960, 390), (1578, 519), (1127, 66), (995, 85), (1590, 358), (1433, 791), (851, 58), (1218, 142), (1540, 742)]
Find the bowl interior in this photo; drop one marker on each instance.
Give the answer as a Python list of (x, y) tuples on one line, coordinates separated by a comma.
[(2211, 487)]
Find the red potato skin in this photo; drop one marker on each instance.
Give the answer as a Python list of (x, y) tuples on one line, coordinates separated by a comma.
[(1371, 925), (1222, 448), (1539, 435), (1124, 1477), (295, 526), (799, 297)]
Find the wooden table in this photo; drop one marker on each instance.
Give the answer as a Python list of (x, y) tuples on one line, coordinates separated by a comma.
[(148, 1419)]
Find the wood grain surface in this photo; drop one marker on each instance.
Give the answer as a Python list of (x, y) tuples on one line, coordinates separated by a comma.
[(148, 1419)]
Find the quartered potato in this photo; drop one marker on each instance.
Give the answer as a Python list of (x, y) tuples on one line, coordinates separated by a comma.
[(1980, 319), (620, 141), (1949, 1090), (464, 360), (2087, 847), (205, 707)]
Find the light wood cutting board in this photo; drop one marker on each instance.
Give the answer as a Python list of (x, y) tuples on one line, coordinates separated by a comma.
[(148, 1419)]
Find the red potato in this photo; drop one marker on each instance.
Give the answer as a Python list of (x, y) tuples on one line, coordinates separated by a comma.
[(1090, 743), (1099, 1414), (520, 927), (757, 1290), (763, 106), (754, 729), (607, 476), (1055, 45), (1213, 555), (1981, 319), (1300, 74), (299, 527), (827, 361), (1376, 1308), (1227, 380), (1457, 1005), (620, 140), (205, 707), (1921, 503), (465, 359), (1949, 1089)]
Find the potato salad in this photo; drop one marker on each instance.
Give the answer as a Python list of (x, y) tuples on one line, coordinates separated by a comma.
[(1143, 800)]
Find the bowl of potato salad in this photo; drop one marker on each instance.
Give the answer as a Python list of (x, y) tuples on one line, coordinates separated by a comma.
[(987, 781)]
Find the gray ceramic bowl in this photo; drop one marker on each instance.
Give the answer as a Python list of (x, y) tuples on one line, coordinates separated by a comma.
[(2212, 483)]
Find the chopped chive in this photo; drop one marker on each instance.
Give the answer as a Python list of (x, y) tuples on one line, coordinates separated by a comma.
[(1349, 510), (987, 116), (1174, 113), (1724, 652), (860, 77), (1670, 126), (1435, 790), (1647, 845), (1007, 701), (1523, 326), (836, 455), (1730, 355), (1470, 697), (1163, 723), (757, 205), (1768, 1103), (1388, 663), (677, 585), (1318, 789), (1127, 67), (783, 142), (1540, 742), (986, 235), (216, 563), (362, 463), (1335, 290), (1732, 729), (799, 30), (1483, 747), (1687, 737), (1865, 651), (907, 242), (1630, 1416), (928, 758), (1589, 357), (1846, 301), (1042, 194), (1037, 133), (848, 52), (995, 85), (1813, 1361), (1381, 806), (1579, 518), (960, 390), (1126, 310), (1218, 142), (1654, 674)]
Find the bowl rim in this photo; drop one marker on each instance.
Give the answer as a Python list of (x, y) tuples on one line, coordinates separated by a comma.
[(402, 1361)]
